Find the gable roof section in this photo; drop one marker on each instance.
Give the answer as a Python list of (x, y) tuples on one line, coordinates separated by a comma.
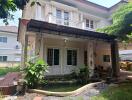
[(93, 4), (10, 29), (100, 6), (41, 26)]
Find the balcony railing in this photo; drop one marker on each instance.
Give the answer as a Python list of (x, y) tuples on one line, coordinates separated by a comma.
[(71, 23)]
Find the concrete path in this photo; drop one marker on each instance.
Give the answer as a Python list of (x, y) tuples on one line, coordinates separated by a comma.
[(86, 95), (125, 75)]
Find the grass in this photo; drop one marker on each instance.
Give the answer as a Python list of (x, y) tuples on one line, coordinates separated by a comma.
[(4, 71), (62, 88), (121, 92)]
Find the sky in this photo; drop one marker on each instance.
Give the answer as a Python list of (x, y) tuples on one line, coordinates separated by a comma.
[(18, 14)]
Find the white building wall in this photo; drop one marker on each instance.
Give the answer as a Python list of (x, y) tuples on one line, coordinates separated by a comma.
[(9, 49)]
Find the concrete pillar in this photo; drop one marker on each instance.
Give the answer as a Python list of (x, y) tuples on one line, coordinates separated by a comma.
[(39, 45), (38, 12), (24, 52), (90, 55), (115, 58)]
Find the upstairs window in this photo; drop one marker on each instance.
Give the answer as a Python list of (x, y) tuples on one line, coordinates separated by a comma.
[(53, 57), (3, 58), (89, 24), (72, 57), (62, 17), (66, 18), (3, 39), (59, 16)]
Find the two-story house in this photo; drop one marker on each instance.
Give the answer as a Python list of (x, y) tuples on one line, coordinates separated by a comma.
[(62, 32), (10, 49)]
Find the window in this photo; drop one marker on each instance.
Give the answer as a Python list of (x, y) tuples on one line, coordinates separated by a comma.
[(89, 23), (62, 17), (85, 58), (3, 58), (53, 57), (59, 16), (66, 18), (3, 39), (72, 57), (106, 58)]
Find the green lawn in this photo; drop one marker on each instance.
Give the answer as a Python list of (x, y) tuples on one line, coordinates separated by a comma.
[(63, 88), (121, 92), (4, 71)]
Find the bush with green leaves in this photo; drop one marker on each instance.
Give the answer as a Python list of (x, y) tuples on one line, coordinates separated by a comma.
[(35, 73), (82, 74)]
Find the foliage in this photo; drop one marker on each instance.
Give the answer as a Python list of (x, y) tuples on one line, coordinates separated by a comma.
[(8, 6), (1, 96), (35, 73), (121, 92), (4, 71), (82, 74), (122, 23)]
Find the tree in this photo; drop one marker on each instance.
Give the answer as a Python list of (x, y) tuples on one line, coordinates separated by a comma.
[(122, 23), (8, 6)]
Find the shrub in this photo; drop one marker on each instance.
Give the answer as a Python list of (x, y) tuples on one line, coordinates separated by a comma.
[(83, 74), (35, 73)]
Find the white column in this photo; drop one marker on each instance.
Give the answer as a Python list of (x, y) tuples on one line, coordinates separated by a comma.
[(83, 24), (42, 48), (38, 14)]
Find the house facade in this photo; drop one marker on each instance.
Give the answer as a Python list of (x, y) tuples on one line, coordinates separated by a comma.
[(10, 49), (62, 32)]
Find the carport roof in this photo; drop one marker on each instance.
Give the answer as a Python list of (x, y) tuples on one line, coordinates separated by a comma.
[(42, 26)]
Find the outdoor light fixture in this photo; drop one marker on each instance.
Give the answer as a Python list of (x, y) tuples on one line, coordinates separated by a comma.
[(65, 40)]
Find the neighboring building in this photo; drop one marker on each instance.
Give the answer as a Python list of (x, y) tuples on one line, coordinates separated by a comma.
[(125, 55), (10, 49), (62, 33)]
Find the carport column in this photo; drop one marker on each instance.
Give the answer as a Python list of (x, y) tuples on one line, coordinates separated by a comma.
[(90, 55), (24, 52), (115, 58), (39, 46)]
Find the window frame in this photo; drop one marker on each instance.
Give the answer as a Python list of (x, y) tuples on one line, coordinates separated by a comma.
[(63, 20), (89, 23), (2, 58), (66, 18), (72, 63), (53, 56), (106, 58), (3, 39)]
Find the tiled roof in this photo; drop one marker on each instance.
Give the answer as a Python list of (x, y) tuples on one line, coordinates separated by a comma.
[(12, 29)]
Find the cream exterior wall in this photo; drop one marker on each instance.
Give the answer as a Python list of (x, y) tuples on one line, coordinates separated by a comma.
[(47, 12), (76, 44)]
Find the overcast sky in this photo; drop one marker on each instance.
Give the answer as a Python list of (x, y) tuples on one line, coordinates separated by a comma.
[(106, 3)]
